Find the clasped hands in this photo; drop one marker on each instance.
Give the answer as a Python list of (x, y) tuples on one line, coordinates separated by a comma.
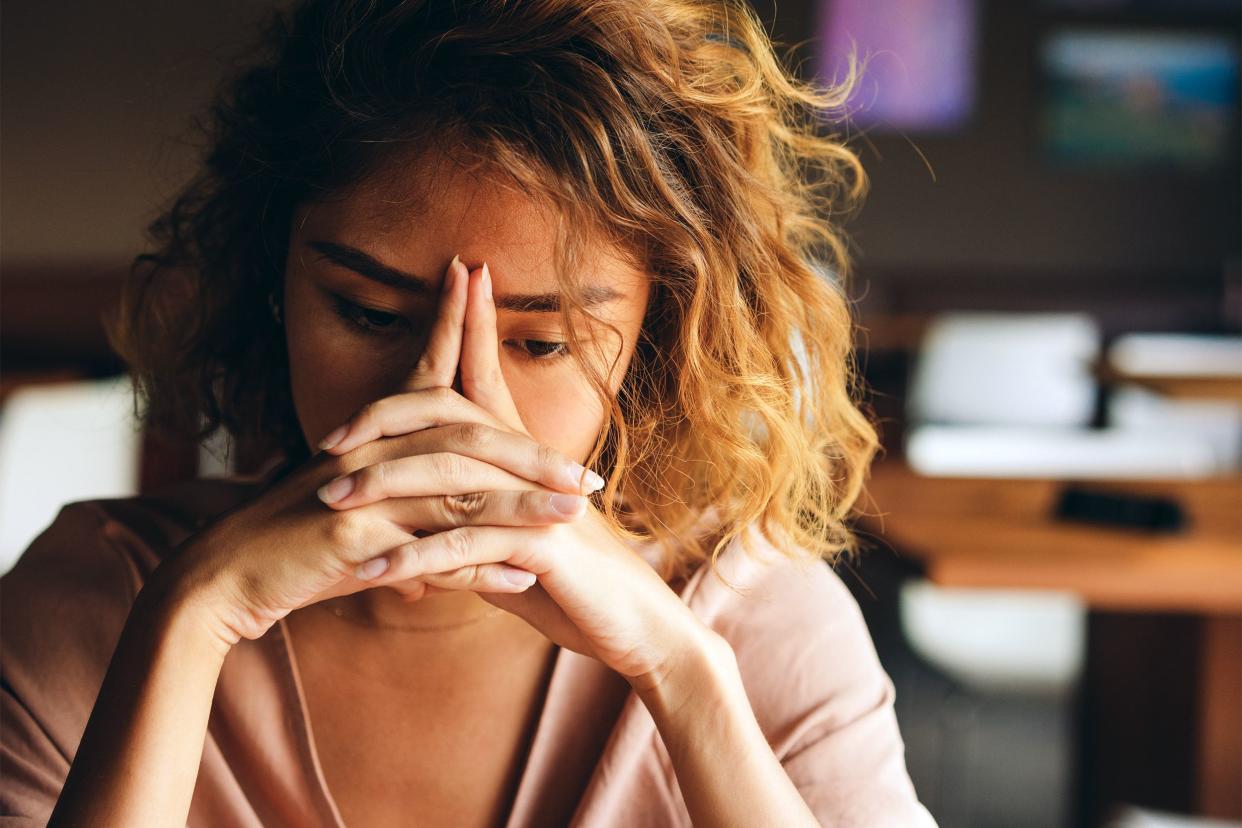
[(494, 495)]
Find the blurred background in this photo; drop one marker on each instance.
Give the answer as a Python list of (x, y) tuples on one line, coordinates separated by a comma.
[(1050, 290)]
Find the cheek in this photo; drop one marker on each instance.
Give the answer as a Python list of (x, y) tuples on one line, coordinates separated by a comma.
[(560, 408), (559, 405), (563, 413), (328, 378)]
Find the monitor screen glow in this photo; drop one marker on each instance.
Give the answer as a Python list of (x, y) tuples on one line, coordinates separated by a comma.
[(1118, 97), (920, 61)]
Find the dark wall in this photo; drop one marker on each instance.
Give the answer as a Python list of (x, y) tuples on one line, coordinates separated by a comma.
[(97, 98), (984, 203), (97, 103)]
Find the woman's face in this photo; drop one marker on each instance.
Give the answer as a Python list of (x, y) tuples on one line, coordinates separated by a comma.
[(354, 335)]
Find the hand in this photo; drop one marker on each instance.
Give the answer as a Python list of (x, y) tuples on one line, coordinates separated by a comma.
[(594, 594), (284, 549)]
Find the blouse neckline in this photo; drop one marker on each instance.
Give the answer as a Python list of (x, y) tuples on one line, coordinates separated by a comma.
[(309, 755)]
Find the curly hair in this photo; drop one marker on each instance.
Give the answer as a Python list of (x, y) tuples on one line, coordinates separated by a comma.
[(669, 126)]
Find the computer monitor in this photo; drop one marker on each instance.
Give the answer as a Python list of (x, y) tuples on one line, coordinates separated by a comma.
[(1124, 97)]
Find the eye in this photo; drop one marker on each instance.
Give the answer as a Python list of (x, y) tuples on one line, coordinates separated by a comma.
[(540, 350), (367, 320)]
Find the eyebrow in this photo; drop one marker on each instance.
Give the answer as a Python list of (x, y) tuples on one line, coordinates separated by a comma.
[(369, 267)]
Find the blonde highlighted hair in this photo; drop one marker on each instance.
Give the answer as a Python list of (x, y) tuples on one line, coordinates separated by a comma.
[(669, 127)]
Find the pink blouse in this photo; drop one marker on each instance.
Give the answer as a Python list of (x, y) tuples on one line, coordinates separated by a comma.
[(596, 759)]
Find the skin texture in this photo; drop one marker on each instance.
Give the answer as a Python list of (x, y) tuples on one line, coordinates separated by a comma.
[(593, 594), (432, 676), (335, 368), (140, 753)]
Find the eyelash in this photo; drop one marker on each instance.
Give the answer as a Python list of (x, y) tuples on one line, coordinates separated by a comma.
[(350, 311)]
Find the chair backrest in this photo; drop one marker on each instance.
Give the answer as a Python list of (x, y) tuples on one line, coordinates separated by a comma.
[(1033, 369), (62, 442)]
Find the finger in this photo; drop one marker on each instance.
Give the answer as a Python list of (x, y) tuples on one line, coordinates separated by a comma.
[(481, 377), (438, 513), (482, 578), (410, 590), (438, 473), (438, 363), (513, 452), (539, 609), (456, 548), (428, 589), (407, 412)]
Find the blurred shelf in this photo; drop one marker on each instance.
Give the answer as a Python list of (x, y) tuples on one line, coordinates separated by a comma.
[(1228, 389)]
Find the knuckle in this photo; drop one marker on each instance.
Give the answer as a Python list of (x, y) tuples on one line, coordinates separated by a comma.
[(402, 560), (457, 547), (379, 476), (472, 574), (473, 435), (549, 459), (532, 505), (370, 481), (347, 530), (449, 468), (463, 508)]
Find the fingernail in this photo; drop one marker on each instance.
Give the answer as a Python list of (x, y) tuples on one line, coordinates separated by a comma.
[(450, 274), (487, 282), (337, 489), (334, 437), (370, 569), (519, 577), (592, 481), (566, 504)]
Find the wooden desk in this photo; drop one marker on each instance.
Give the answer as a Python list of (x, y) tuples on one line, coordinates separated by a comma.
[(999, 534)]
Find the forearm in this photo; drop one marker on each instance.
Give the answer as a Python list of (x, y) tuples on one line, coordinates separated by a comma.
[(140, 752), (725, 768)]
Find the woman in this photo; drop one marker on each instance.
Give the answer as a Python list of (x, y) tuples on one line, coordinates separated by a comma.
[(534, 279)]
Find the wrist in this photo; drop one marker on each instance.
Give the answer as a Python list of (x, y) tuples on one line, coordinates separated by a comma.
[(704, 664), (184, 608)]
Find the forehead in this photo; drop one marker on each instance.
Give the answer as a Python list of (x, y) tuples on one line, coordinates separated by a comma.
[(417, 214)]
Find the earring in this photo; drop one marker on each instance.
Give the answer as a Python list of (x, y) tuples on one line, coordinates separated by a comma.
[(276, 312)]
